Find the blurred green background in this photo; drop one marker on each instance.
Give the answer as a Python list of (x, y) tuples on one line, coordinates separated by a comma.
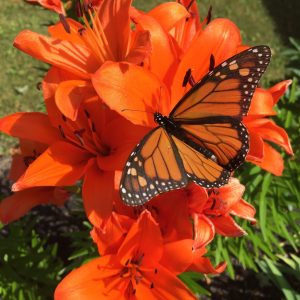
[(263, 265)]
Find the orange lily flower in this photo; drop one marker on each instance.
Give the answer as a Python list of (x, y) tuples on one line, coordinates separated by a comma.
[(58, 5), (183, 24), (81, 50), (94, 145), (134, 272), (160, 89), (211, 211), (262, 129), (220, 38), (18, 204), (55, 5)]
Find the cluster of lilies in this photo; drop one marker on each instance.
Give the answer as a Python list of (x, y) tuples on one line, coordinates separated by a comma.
[(115, 56)]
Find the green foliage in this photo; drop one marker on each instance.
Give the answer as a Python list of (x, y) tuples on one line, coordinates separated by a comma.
[(191, 279), (28, 263), (293, 54)]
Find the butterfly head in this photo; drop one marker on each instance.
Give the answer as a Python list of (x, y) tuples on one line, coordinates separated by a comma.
[(158, 118)]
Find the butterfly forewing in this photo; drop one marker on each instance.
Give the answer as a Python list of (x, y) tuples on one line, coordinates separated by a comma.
[(227, 90), (210, 113), (154, 167)]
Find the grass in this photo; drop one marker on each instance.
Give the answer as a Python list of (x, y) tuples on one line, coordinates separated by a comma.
[(19, 73)]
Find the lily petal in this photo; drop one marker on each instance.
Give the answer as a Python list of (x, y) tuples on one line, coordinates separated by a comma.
[(165, 286), (54, 167), (70, 94), (143, 240), (111, 236), (114, 17), (131, 91), (256, 150), (55, 5), (68, 56), (279, 89), (30, 126), (85, 282), (58, 31), (168, 14), (220, 38), (204, 231), (231, 193), (226, 226), (269, 131), (177, 256), (267, 163), (203, 264), (244, 210), (98, 194), (262, 103), (140, 47), (16, 206), (163, 54)]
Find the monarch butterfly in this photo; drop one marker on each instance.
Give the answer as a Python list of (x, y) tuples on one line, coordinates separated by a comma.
[(203, 139)]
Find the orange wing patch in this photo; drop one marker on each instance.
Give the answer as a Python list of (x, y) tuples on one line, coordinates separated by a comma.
[(154, 167), (200, 169), (226, 141)]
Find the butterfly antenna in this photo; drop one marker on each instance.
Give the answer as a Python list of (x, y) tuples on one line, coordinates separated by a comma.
[(144, 111), (159, 99)]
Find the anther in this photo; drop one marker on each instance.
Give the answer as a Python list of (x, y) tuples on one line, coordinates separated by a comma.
[(64, 22), (186, 78), (85, 6), (78, 134), (88, 115), (81, 31), (155, 271), (64, 118), (61, 131), (93, 127), (190, 4), (151, 285), (78, 9), (211, 62), (208, 17)]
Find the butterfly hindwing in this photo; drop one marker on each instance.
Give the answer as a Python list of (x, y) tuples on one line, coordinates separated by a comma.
[(153, 167), (227, 140), (227, 90), (199, 168)]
